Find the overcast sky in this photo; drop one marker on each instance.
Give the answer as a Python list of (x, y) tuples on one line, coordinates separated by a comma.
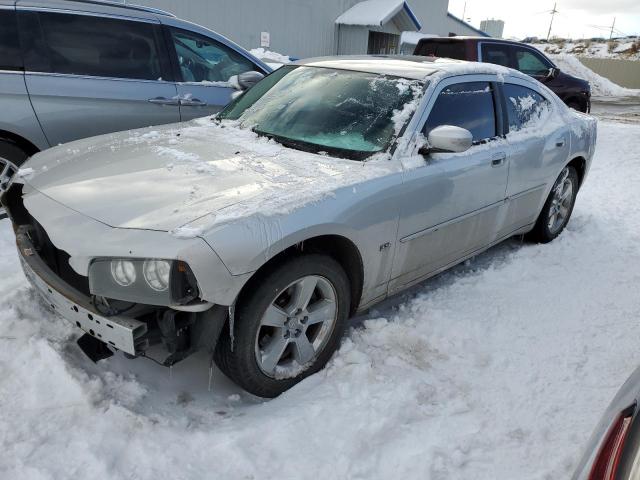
[(576, 18)]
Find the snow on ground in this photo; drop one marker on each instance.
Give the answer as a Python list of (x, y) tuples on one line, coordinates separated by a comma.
[(499, 369), (626, 48), (600, 86)]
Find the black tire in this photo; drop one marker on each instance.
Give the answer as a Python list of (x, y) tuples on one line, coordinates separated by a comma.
[(577, 105), (10, 151), (239, 362), (542, 233)]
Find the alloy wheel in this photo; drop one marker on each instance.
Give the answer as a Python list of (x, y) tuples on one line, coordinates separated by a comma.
[(296, 326)]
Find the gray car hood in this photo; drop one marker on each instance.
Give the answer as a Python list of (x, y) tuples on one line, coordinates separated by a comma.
[(165, 178)]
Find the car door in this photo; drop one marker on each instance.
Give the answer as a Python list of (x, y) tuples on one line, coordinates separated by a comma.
[(204, 66), (453, 201), (89, 74), (538, 146)]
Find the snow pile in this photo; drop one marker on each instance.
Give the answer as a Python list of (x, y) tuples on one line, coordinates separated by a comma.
[(497, 370), (621, 49), (600, 86), (273, 59)]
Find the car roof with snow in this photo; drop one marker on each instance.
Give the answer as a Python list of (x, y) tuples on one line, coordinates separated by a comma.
[(408, 66)]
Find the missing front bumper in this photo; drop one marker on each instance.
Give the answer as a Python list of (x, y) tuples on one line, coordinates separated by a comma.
[(125, 334)]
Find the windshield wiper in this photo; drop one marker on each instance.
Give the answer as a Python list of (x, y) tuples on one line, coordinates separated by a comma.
[(315, 147)]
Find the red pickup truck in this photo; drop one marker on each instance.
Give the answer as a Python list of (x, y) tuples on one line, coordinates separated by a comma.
[(573, 91)]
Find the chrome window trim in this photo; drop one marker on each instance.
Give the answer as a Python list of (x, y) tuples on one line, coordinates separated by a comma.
[(90, 77)]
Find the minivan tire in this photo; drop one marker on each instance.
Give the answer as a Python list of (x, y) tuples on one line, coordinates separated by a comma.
[(238, 357), (10, 151)]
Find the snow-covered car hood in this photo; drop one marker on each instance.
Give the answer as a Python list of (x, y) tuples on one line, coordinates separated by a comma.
[(165, 178)]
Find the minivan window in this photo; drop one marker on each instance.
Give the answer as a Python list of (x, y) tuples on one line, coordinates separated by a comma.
[(526, 108), (202, 59), (10, 58), (468, 105), (452, 49), (496, 53), (90, 45), (531, 63)]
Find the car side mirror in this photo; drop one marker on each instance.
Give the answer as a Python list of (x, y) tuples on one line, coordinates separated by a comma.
[(246, 80), (447, 139), (553, 73)]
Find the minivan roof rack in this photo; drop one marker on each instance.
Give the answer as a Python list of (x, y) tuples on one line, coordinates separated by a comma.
[(111, 3)]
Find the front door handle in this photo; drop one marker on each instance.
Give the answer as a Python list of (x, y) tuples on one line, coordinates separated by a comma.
[(498, 159), (163, 101), (192, 102), (560, 143)]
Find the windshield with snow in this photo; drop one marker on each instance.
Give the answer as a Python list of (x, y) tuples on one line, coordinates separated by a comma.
[(343, 113)]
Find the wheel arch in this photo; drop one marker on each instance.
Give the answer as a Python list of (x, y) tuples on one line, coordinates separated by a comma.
[(340, 248), (25, 145), (580, 164)]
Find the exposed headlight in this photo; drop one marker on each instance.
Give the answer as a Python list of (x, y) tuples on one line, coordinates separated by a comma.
[(157, 274), (147, 281), (123, 272)]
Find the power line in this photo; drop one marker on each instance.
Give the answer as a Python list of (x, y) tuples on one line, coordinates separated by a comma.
[(553, 13)]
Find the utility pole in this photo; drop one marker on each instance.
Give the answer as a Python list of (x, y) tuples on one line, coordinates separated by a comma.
[(553, 12), (464, 10), (612, 26)]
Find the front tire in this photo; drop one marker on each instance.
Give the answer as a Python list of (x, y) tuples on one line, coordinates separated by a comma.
[(558, 208), (287, 325)]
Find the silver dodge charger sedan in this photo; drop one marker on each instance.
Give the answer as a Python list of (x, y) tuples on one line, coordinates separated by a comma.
[(330, 185)]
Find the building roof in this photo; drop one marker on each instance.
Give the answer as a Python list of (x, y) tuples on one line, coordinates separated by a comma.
[(407, 66), (376, 13), (467, 25)]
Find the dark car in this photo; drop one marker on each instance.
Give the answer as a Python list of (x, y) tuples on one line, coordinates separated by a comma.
[(613, 452), (573, 91)]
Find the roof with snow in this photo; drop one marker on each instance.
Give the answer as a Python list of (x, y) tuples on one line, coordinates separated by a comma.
[(468, 25), (407, 66), (376, 13)]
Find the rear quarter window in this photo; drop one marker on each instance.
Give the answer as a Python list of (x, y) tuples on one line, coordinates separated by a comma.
[(454, 50), (10, 58)]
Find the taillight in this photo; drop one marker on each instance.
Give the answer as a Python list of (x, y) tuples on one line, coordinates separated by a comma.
[(606, 462)]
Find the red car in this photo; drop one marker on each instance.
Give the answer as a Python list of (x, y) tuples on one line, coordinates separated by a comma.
[(573, 91)]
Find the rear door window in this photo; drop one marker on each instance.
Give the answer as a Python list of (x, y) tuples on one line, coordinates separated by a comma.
[(526, 108), (91, 45), (450, 49), (468, 105), (10, 58), (497, 53)]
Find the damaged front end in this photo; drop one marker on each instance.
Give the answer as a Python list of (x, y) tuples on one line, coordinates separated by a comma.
[(157, 313)]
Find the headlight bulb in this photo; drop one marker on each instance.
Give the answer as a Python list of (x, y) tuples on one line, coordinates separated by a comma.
[(123, 272), (157, 274)]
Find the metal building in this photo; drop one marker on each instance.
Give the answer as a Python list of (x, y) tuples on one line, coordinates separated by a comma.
[(306, 28), (495, 28)]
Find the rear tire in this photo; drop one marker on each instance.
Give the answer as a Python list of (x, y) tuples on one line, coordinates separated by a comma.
[(577, 105), (287, 325), (558, 208), (10, 151)]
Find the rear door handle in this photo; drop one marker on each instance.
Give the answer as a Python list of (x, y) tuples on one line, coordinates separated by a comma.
[(498, 159), (163, 101), (560, 143), (192, 102)]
